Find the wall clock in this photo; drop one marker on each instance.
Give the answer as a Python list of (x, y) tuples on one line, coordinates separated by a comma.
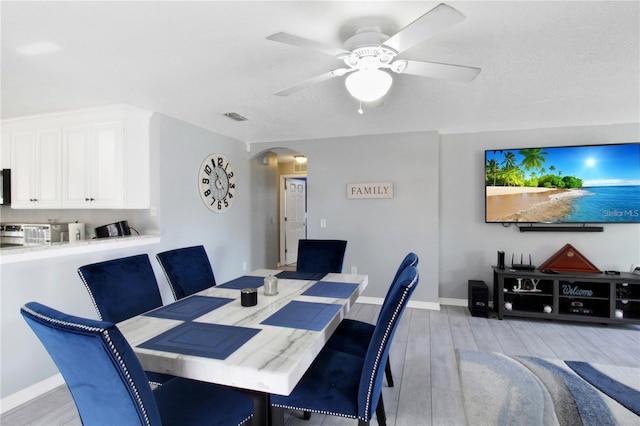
[(217, 183)]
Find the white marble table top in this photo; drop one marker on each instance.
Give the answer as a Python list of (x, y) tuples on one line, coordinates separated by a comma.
[(273, 361)]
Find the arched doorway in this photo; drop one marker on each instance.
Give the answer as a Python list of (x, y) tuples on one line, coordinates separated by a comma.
[(291, 200)]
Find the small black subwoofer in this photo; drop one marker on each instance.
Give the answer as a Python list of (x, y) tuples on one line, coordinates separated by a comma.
[(478, 298)]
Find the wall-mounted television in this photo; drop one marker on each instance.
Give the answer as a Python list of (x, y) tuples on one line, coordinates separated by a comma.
[(565, 184)]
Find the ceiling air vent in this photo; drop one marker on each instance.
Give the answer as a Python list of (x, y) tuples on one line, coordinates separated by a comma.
[(235, 116)]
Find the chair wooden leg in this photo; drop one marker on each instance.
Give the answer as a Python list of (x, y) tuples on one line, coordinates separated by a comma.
[(387, 372), (306, 415), (362, 423), (381, 415)]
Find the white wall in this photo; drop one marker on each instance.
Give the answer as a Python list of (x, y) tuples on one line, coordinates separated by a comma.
[(380, 232), (468, 246)]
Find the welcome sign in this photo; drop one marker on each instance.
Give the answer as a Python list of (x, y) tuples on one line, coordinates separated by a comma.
[(370, 190)]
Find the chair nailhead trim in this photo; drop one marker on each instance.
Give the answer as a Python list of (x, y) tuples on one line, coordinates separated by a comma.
[(376, 364), (173, 290), (289, 407), (245, 420), (93, 299), (66, 323), (115, 352), (129, 379)]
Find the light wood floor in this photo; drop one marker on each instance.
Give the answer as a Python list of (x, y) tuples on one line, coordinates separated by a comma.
[(423, 360)]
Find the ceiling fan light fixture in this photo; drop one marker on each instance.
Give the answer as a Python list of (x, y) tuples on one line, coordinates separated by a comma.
[(369, 84)]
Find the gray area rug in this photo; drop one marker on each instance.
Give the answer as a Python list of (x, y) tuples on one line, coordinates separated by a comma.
[(499, 389)]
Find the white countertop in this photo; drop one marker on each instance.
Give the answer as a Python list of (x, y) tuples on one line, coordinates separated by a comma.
[(42, 251)]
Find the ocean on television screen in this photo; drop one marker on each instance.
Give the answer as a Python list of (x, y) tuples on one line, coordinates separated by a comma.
[(607, 204)]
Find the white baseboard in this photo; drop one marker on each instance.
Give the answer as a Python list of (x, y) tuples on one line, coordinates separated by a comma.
[(432, 306), (14, 400), (370, 300), (27, 394), (454, 302), (417, 303), (412, 303)]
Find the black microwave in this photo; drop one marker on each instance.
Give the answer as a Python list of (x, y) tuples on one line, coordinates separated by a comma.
[(5, 186)]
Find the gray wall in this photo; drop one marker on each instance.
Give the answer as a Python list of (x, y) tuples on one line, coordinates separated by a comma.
[(379, 231), (184, 219), (137, 219), (178, 150), (55, 283), (437, 211), (264, 211), (468, 246)]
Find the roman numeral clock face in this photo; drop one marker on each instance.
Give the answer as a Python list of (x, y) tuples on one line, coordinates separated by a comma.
[(217, 183)]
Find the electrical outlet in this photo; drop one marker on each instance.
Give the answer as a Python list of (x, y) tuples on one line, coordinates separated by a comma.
[(244, 266), (323, 223)]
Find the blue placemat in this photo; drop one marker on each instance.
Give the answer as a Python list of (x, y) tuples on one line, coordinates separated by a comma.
[(245, 281), (331, 289), (304, 315), (295, 275), (189, 308), (199, 339)]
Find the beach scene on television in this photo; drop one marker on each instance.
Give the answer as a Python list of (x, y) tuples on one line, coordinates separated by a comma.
[(574, 184)]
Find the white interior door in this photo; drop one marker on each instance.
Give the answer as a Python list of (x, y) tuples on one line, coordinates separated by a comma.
[(295, 223)]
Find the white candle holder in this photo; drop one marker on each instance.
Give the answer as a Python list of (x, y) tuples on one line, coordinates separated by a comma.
[(270, 285)]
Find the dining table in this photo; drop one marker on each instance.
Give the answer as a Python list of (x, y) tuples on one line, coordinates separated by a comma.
[(261, 350)]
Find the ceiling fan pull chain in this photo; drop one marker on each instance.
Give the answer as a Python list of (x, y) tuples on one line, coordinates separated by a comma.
[(360, 111)]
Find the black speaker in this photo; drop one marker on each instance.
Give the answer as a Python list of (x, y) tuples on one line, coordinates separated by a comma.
[(478, 298)]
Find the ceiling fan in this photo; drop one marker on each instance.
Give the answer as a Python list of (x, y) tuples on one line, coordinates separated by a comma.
[(369, 52)]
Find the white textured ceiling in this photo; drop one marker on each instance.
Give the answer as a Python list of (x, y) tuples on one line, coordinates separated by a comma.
[(544, 64)]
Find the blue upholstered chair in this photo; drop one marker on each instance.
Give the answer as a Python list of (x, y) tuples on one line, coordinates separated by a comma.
[(346, 385), (109, 386), (353, 336), (123, 288), (320, 255), (187, 269)]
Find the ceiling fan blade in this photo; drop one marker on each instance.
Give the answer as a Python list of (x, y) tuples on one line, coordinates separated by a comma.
[(307, 44), (436, 70), (313, 80), (437, 19)]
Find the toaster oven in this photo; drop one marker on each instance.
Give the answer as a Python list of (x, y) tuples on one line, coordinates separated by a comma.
[(35, 234)]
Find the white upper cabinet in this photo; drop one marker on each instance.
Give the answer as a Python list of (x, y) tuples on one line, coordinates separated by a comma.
[(93, 165), (36, 178), (103, 158)]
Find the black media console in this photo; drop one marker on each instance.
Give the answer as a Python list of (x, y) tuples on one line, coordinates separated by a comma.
[(569, 296)]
